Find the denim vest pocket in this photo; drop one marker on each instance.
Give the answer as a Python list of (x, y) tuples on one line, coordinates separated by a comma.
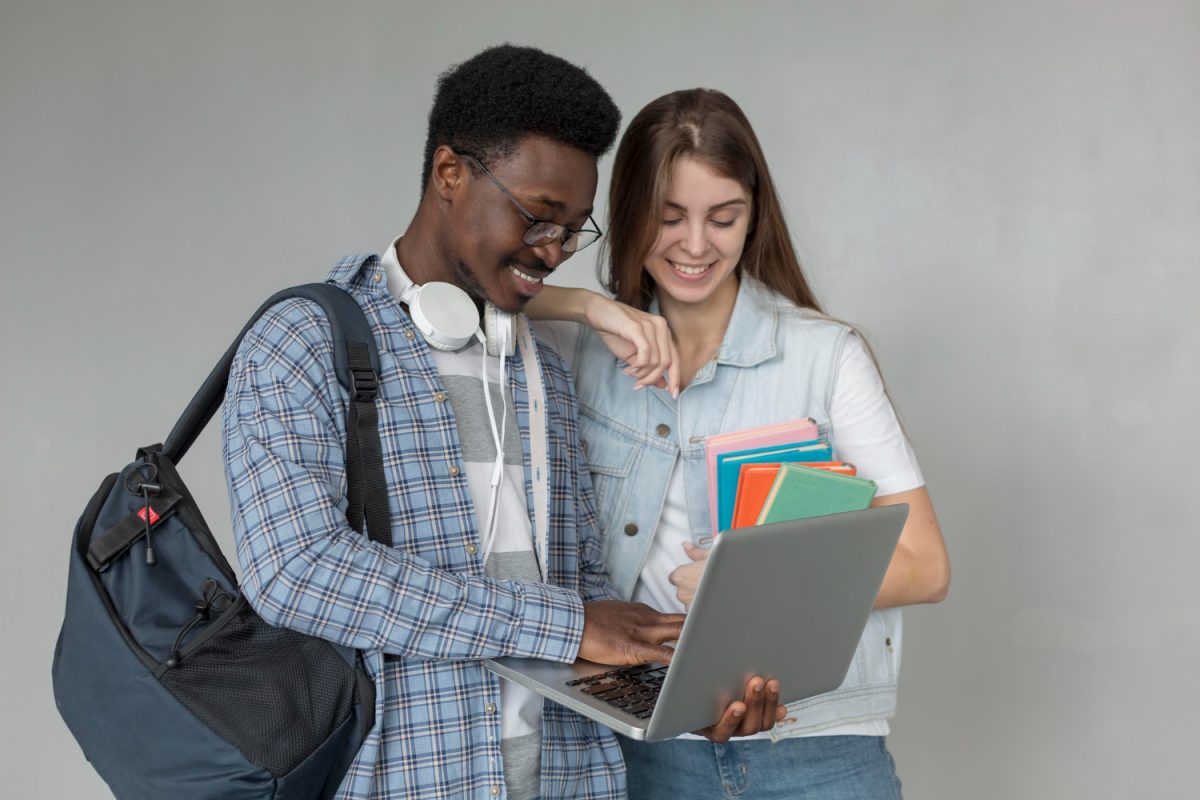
[(611, 459), (874, 662)]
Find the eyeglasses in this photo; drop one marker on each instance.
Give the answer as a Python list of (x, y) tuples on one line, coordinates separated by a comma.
[(542, 232)]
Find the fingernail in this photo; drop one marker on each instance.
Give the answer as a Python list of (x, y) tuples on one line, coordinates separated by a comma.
[(758, 688), (737, 712)]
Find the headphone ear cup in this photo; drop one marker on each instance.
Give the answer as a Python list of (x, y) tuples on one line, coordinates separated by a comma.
[(500, 328), (444, 314)]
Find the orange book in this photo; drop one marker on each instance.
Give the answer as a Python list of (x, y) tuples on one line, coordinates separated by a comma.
[(755, 482)]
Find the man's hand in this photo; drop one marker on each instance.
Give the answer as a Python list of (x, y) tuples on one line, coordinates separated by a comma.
[(640, 339), (686, 578), (615, 632), (758, 711)]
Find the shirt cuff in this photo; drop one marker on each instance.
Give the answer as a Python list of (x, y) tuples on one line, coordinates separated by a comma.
[(551, 626)]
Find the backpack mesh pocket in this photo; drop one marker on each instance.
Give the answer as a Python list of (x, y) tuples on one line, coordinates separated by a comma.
[(273, 693)]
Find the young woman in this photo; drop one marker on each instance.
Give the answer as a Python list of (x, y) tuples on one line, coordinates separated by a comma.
[(720, 324)]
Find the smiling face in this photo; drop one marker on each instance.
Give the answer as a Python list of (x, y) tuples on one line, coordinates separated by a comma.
[(483, 233), (705, 219)]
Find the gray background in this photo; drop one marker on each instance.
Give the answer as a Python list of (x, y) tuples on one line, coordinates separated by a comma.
[(1005, 195)]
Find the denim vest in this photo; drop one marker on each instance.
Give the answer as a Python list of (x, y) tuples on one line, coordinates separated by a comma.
[(776, 363)]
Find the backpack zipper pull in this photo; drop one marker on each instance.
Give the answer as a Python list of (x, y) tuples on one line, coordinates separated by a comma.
[(147, 488)]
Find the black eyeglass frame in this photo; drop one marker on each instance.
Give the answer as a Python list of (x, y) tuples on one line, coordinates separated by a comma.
[(552, 231)]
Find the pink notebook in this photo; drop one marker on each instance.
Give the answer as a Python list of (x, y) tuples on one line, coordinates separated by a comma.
[(763, 436)]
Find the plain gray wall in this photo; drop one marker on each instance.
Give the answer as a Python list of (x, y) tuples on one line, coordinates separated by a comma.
[(1005, 195)]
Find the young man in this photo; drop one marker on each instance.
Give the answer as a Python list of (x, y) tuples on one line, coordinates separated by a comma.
[(430, 608), (476, 571)]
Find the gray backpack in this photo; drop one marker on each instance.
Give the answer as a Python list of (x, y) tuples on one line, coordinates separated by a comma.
[(171, 683)]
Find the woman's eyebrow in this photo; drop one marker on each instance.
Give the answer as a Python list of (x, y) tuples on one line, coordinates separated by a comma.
[(737, 201)]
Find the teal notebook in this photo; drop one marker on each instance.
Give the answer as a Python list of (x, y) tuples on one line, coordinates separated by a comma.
[(802, 492), (729, 466)]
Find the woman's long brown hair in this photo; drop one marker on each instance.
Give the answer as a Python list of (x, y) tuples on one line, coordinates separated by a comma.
[(708, 126)]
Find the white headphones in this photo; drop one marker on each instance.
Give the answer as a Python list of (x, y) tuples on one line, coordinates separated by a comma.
[(447, 317)]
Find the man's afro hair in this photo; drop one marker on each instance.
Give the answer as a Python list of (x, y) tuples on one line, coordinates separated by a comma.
[(486, 104)]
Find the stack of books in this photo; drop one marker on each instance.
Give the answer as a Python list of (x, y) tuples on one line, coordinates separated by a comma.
[(778, 472)]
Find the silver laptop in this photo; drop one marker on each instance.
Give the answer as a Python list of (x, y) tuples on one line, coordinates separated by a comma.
[(787, 601)]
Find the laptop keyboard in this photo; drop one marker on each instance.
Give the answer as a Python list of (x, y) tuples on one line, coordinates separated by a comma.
[(631, 689)]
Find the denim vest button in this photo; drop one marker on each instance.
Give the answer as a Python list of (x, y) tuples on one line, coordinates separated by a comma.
[(631, 529), (583, 445), (663, 430)]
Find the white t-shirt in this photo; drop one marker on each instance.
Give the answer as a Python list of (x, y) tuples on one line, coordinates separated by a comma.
[(512, 555)]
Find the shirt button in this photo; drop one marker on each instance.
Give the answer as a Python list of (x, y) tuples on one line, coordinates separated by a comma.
[(454, 470), (490, 708), (439, 396), (495, 791), (663, 430), (472, 549), (631, 529), (409, 335)]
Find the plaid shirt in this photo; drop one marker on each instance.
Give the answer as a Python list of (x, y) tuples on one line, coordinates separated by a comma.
[(426, 601)]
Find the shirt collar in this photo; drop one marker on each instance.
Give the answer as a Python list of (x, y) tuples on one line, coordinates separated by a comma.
[(362, 273), (370, 274), (394, 274)]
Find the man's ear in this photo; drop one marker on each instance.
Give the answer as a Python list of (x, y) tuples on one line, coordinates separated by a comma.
[(448, 173)]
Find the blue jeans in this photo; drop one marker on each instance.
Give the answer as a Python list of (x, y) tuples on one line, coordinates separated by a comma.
[(803, 768)]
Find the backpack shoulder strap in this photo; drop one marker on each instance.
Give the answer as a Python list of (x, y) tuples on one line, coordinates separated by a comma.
[(356, 363)]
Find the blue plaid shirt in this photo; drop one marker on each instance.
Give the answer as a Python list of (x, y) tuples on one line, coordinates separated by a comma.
[(426, 600)]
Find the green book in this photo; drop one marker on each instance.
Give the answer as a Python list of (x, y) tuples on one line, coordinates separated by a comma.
[(801, 492)]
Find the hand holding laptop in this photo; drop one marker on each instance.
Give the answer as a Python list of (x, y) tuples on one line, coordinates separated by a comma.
[(759, 708), (758, 711), (620, 633)]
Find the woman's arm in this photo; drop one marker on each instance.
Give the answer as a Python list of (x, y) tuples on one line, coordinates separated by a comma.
[(642, 340), (920, 568), (559, 303)]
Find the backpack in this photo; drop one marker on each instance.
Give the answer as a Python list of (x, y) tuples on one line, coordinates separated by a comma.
[(170, 682)]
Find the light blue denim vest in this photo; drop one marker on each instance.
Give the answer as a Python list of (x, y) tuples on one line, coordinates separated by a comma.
[(776, 363)]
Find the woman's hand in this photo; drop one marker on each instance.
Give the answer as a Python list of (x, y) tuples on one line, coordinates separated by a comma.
[(641, 340), (686, 579)]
